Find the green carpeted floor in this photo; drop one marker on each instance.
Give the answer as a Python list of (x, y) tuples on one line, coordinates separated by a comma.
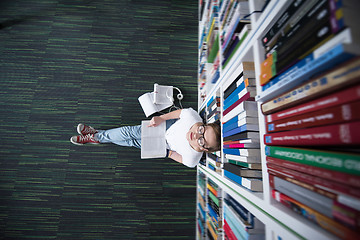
[(69, 61)]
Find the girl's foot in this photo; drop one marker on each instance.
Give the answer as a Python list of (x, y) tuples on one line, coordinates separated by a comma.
[(83, 129), (81, 140)]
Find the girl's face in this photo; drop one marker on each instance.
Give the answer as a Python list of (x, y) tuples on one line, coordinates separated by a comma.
[(201, 137)]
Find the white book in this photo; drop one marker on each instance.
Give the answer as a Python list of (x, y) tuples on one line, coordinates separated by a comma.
[(153, 143), (149, 107), (248, 106), (243, 158)]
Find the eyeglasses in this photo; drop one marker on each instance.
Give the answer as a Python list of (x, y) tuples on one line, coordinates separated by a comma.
[(201, 139)]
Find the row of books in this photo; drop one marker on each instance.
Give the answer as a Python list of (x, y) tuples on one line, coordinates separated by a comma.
[(209, 209), (241, 143), (220, 216), (239, 223), (209, 59), (234, 27), (312, 127), (299, 50), (201, 205), (214, 205)]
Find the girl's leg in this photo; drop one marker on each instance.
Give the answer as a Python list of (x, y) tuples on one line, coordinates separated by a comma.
[(128, 136)]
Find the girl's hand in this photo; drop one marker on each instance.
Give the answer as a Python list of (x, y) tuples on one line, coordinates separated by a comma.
[(155, 121)]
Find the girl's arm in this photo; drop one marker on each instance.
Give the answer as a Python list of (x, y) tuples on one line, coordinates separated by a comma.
[(175, 156), (155, 121)]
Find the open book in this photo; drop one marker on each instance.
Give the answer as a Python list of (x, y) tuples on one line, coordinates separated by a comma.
[(147, 103), (153, 143), (159, 99)]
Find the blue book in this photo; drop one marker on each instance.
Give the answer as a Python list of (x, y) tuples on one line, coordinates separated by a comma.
[(215, 77), (231, 126), (233, 220), (210, 101), (238, 96), (243, 128), (234, 227), (233, 120), (249, 183), (212, 213), (242, 151), (235, 93), (243, 212), (307, 67), (231, 33), (235, 124), (201, 211)]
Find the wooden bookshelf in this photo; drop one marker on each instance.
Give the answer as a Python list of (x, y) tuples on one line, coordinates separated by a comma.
[(280, 222)]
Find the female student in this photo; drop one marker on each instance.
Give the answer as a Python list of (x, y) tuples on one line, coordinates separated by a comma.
[(187, 138)]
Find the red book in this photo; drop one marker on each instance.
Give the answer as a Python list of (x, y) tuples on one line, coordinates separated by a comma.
[(332, 188), (246, 97), (342, 113), (323, 221), (241, 145), (344, 96), (229, 233), (340, 177), (330, 135), (345, 214)]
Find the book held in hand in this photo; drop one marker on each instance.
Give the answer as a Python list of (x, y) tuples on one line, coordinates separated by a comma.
[(153, 143)]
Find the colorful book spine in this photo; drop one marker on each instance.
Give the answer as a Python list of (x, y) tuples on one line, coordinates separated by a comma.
[(344, 75), (249, 106), (252, 184), (244, 83), (243, 152), (229, 232), (243, 213), (241, 171), (256, 166), (330, 135), (310, 32), (325, 57), (336, 161), (249, 82), (245, 95), (292, 7), (340, 177), (328, 188), (340, 97), (241, 145), (243, 136), (316, 217), (243, 128), (343, 113), (238, 121), (243, 159)]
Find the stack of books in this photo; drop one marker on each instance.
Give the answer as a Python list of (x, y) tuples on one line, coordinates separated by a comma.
[(313, 128), (241, 129), (214, 206), (307, 39), (239, 223), (234, 27), (201, 207), (213, 109)]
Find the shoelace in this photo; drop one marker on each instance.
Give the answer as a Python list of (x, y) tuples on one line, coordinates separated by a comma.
[(87, 130), (86, 138)]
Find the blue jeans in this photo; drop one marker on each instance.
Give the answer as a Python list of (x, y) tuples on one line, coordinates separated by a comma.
[(127, 136)]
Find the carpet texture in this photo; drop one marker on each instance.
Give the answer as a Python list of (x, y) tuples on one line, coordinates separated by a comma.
[(63, 62)]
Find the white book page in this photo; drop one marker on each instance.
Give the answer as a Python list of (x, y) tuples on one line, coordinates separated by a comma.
[(146, 101), (153, 144)]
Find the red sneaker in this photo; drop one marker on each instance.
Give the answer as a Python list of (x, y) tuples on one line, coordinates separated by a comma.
[(81, 140), (83, 129)]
